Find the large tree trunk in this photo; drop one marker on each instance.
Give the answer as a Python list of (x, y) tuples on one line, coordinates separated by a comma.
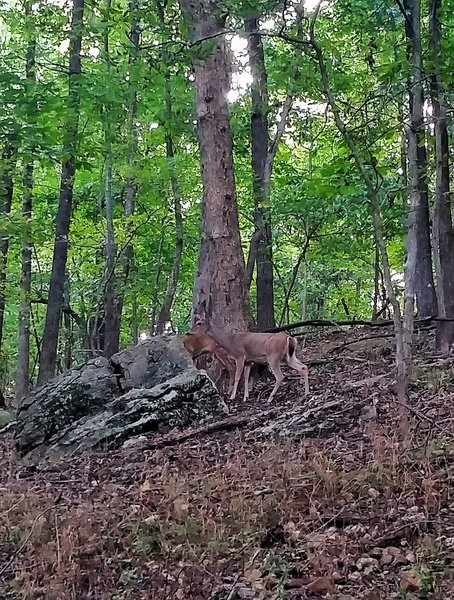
[(6, 196), (419, 221), (260, 142), (48, 357), (220, 282), (442, 222)]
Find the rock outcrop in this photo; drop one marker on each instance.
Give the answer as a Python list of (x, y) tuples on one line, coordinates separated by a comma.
[(102, 403)]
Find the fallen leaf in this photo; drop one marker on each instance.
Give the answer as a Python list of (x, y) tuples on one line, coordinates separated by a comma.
[(181, 507), (410, 581), (320, 585), (146, 486)]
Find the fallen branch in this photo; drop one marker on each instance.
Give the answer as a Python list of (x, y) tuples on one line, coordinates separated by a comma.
[(368, 381), (351, 323), (224, 424), (329, 323)]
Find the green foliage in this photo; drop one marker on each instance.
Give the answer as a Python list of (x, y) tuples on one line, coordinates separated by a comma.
[(319, 206)]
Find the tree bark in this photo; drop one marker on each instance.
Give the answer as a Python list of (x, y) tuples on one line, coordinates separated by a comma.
[(263, 247), (442, 219), (48, 357), (419, 221), (8, 161), (220, 283)]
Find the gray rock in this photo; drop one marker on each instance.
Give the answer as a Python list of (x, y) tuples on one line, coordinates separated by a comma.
[(103, 403)]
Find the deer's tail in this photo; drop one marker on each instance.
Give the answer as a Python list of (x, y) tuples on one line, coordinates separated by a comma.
[(292, 345)]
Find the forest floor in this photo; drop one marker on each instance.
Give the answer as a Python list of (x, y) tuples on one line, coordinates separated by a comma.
[(252, 512)]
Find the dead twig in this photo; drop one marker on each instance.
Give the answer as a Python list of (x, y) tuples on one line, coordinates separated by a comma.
[(3, 515), (369, 380)]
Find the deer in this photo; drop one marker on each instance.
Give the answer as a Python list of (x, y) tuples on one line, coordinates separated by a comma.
[(198, 343), (248, 348)]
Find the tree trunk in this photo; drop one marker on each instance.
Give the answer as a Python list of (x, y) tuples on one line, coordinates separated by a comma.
[(401, 334), (112, 310), (220, 283), (419, 221), (111, 305), (48, 357), (442, 221), (131, 184), (22, 378), (6, 196), (376, 284), (164, 315), (169, 296), (154, 297), (260, 142)]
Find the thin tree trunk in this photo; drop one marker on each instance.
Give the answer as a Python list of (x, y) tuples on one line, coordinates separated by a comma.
[(22, 378), (304, 293), (48, 357), (154, 299), (111, 313), (169, 296), (376, 283), (401, 338), (263, 247), (442, 222), (419, 220), (131, 183), (134, 322), (67, 322), (111, 305), (22, 381), (6, 196), (220, 284)]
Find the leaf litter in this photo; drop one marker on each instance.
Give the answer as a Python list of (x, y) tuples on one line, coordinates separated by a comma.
[(312, 499)]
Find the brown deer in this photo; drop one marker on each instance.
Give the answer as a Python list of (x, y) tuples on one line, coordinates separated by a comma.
[(247, 348), (198, 343)]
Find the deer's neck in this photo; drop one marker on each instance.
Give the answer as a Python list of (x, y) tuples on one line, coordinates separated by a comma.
[(221, 337)]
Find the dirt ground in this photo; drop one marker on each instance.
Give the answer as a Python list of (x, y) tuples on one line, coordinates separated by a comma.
[(309, 498)]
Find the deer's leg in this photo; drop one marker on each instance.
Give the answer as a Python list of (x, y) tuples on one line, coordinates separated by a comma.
[(247, 371), (275, 368), (230, 370), (302, 370), (239, 366)]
